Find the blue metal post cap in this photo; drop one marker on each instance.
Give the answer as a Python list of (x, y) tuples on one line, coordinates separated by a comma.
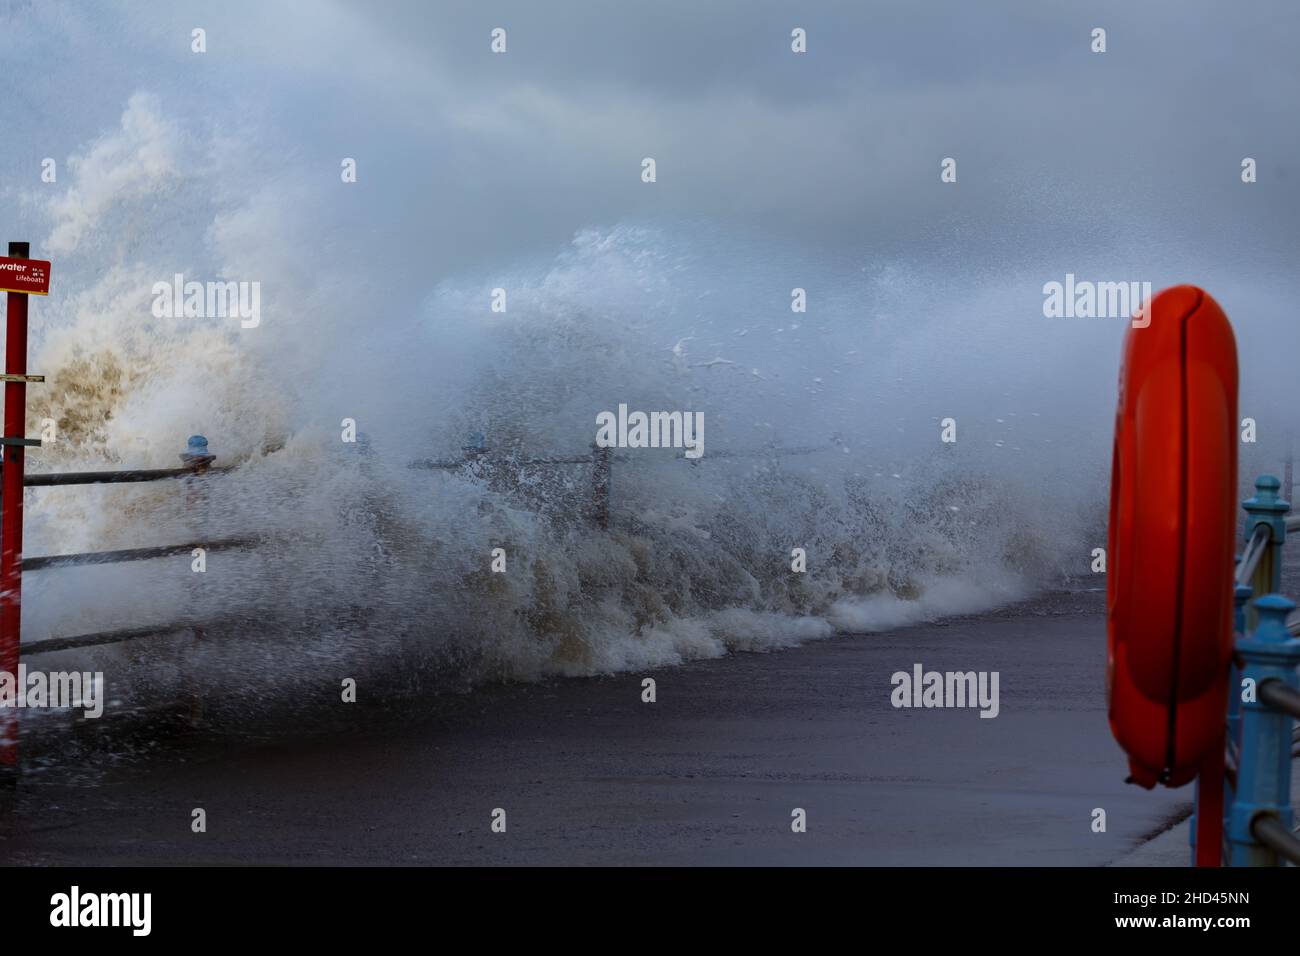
[(196, 454), (1266, 496)]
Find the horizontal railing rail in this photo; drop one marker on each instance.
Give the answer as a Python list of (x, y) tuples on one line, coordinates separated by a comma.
[(478, 455), (1279, 696), (44, 562), (1250, 558), (1274, 834), (452, 463), (53, 479), (50, 645), (508, 459)]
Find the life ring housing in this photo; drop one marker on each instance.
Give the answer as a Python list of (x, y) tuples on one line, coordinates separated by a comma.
[(1171, 537)]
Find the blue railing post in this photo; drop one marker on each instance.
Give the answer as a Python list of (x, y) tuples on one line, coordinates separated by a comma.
[(1267, 508), (196, 456), (1264, 763), (1240, 595)]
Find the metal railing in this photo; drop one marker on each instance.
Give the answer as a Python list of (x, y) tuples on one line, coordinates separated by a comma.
[(475, 457), (1264, 696), (197, 464)]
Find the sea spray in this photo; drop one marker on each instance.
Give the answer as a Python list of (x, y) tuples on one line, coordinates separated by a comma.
[(823, 436)]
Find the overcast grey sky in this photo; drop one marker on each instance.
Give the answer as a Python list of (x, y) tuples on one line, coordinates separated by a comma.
[(483, 156)]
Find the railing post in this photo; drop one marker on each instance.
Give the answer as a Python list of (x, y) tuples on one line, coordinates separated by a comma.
[(1264, 765), (474, 461), (196, 454), (1240, 595), (1266, 507), (601, 468), (195, 489)]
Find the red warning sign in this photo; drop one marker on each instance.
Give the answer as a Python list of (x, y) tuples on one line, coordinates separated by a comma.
[(25, 275)]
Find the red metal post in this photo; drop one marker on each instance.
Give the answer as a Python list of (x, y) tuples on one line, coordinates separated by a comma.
[(1209, 809), (11, 506)]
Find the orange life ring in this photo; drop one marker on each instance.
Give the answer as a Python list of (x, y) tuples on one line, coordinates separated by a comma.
[(1171, 537)]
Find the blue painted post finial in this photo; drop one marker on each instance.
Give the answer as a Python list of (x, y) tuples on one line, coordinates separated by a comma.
[(1266, 507), (196, 454), (1264, 763)]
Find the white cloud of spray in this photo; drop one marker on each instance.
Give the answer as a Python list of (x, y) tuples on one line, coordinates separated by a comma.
[(371, 554), (135, 162)]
